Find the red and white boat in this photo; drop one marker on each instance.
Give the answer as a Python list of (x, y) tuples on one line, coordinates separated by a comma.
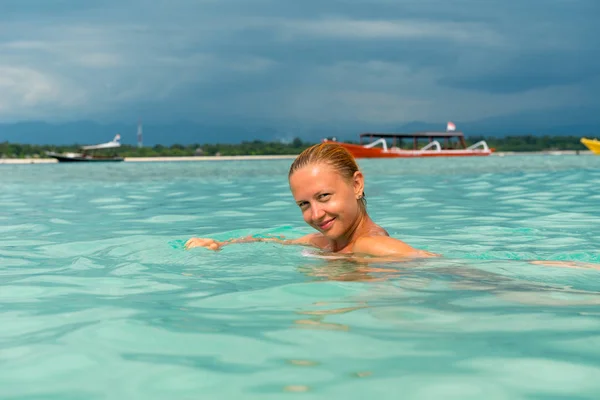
[(439, 144)]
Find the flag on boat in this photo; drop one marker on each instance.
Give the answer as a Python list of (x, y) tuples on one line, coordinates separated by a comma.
[(450, 126)]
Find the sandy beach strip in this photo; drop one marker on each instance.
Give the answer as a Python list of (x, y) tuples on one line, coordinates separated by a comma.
[(155, 159), (27, 161), (273, 157), (210, 158)]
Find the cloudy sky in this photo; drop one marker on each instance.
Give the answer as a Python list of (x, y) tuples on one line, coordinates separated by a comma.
[(315, 61)]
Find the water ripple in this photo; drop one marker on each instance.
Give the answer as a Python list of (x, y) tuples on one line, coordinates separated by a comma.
[(100, 300)]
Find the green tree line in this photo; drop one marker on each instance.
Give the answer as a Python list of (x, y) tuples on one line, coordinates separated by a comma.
[(531, 143), (256, 147), (259, 147)]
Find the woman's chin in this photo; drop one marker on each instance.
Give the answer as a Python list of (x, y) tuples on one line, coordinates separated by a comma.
[(331, 234)]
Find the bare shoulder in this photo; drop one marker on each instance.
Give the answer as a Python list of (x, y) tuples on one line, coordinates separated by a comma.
[(383, 245)]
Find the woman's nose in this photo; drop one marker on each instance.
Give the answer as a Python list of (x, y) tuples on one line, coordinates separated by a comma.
[(317, 213)]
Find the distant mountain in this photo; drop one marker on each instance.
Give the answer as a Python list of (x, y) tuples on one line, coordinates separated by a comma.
[(575, 121), (572, 121), (564, 122)]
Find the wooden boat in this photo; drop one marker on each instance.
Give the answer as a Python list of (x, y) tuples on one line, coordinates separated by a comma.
[(88, 153), (592, 144), (378, 147)]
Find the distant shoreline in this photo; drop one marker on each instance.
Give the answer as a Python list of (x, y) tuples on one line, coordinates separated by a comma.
[(156, 159), (266, 157)]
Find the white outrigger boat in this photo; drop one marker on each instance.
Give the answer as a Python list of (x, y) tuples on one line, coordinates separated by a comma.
[(88, 153)]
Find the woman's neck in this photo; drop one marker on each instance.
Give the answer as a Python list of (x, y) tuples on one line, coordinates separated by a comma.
[(362, 226)]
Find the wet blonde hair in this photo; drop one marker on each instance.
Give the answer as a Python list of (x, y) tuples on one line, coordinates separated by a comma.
[(333, 155)]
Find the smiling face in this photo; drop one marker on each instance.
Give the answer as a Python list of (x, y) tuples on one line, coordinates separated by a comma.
[(329, 202)]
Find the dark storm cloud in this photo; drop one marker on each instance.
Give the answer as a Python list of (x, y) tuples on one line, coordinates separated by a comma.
[(528, 71), (277, 60)]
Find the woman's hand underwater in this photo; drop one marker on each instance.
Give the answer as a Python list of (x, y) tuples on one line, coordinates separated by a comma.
[(203, 242)]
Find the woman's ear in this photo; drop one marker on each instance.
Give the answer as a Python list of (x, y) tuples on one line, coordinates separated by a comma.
[(358, 184)]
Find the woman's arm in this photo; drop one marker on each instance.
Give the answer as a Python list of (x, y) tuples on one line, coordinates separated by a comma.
[(308, 240), (387, 247)]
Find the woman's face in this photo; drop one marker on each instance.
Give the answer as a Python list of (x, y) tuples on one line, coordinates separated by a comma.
[(329, 203)]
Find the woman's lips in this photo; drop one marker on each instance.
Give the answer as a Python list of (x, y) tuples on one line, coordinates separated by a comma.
[(327, 224)]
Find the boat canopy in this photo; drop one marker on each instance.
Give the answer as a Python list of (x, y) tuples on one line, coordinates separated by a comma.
[(116, 142), (413, 134)]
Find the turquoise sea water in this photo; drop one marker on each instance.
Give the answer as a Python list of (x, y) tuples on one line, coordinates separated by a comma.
[(98, 299)]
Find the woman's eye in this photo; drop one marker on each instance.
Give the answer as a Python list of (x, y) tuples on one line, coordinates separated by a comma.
[(324, 196)]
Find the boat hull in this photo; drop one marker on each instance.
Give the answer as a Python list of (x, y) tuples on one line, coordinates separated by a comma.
[(359, 151), (83, 158), (592, 144)]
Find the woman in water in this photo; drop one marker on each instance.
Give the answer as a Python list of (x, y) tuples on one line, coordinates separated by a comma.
[(328, 188)]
